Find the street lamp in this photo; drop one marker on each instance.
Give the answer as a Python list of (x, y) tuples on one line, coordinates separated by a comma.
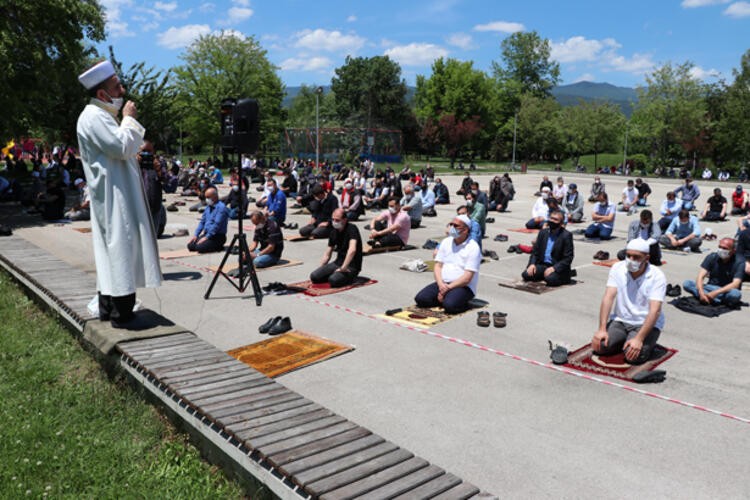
[(318, 92), (515, 126)]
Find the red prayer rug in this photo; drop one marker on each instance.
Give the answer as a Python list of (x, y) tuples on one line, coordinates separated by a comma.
[(585, 360), (317, 289)]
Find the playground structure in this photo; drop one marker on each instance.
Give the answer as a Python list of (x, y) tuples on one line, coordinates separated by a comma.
[(341, 144)]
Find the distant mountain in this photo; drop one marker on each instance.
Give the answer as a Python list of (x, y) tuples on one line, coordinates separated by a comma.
[(566, 95)]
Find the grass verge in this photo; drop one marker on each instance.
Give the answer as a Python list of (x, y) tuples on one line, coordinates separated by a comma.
[(69, 431)]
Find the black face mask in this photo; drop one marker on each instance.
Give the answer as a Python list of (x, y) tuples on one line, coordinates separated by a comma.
[(553, 226)]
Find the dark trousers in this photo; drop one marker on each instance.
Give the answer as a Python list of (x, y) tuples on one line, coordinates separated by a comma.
[(665, 221), (534, 224), (116, 309), (455, 301), (619, 332), (554, 279), (694, 243), (415, 223), (654, 254), (388, 240), (317, 232), (328, 273), (214, 244), (713, 216)]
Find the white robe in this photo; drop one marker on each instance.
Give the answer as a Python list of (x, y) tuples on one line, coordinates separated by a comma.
[(125, 247)]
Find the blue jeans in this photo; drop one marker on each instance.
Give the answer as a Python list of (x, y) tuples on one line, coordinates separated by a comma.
[(266, 260), (597, 230), (731, 298), (687, 205), (641, 202)]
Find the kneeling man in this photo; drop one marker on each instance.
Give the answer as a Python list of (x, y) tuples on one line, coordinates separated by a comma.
[(345, 239), (456, 270), (637, 290), (267, 240), (552, 254)]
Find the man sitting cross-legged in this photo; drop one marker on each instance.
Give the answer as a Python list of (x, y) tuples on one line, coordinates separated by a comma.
[(211, 233), (347, 243), (683, 232), (456, 271), (716, 207), (724, 274), (552, 254), (391, 227), (646, 229), (637, 290), (321, 208), (268, 237), (603, 216)]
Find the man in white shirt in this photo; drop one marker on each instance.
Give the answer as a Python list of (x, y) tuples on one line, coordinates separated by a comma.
[(629, 199), (636, 289), (540, 210), (456, 270)]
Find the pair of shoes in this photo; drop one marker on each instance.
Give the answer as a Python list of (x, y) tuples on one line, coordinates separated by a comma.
[(391, 312), (655, 376), (274, 286), (291, 225), (601, 255), (430, 245), (275, 326), (491, 254), (172, 208), (499, 319), (501, 237), (514, 249), (483, 319), (674, 290), (489, 220)]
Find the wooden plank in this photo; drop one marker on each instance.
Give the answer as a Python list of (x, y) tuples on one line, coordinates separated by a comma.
[(266, 403), (221, 399), (358, 472), (175, 355), (298, 421), (239, 419), (308, 438), (197, 362), (197, 378), (197, 369), (135, 347), (156, 353), (225, 386), (305, 450), (345, 462), (292, 432), (460, 492), (270, 394), (405, 484), (330, 455), (199, 358), (235, 379), (431, 488), (377, 480), (271, 418)]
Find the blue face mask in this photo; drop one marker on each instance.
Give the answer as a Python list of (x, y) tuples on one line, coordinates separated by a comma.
[(453, 232)]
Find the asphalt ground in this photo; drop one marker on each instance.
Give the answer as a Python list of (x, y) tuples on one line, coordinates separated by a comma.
[(483, 402)]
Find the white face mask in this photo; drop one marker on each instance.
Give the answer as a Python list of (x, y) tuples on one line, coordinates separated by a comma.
[(337, 225), (235, 188), (210, 202), (545, 196), (393, 210), (116, 103), (724, 253), (634, 265), (453, 232), (347, 186)]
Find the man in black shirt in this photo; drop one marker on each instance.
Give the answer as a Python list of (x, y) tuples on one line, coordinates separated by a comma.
[(320, 223), (268, 237), (716, 207), (644, 191), (724, 274), (345, 239)]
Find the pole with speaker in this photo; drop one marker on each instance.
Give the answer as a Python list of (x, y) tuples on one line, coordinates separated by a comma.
[(240, 134)]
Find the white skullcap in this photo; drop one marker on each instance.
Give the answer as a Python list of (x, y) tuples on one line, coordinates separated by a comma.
[(465, 219), (96, 74), (78, 181), (546, 189), (638, 245)]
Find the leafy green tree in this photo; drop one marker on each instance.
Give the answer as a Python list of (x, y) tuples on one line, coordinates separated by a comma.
[(671, 112), (526, 63), (733, 126), (370, 92), (538, 136), (219, 66), (43, 46), (591, 128), (301, 111)]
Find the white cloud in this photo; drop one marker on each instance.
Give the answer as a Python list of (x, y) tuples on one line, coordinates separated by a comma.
[(177, 38), (691, 4), (586, 77), (149, 26), (638, 64), (501, 26), (116, 26), (165, 6), (416, 54), (351, 19), (331, 41), (238, 14), (461, 40), (699, 73), (207, 7), (578, 48), (242, 3), (228, 33), (738, 10), (306, 64)]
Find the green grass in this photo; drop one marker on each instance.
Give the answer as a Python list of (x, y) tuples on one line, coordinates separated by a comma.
[(70, 432)]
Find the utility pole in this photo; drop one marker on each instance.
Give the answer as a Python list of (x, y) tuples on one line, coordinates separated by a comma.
[(625, 154), (515, 126), (318, 91)]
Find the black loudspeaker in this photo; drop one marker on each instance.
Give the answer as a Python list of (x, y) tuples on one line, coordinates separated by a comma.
[(240, 125)]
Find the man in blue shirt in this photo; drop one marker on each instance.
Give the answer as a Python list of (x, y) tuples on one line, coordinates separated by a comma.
[(275, 202), (552, 254), (689, 193), (475, 231), (683, 232), (428, 200), (211, 233)]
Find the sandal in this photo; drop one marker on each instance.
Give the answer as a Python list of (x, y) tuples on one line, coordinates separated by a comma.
[(499, 319), (501, 237), (483, 319)]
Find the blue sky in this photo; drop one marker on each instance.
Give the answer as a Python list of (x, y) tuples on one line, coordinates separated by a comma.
[(602, 41)]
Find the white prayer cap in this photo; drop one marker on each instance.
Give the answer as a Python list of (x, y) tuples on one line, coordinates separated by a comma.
[(546, 189), (638, 245), (96, 74), (465, 219), (78, 182)]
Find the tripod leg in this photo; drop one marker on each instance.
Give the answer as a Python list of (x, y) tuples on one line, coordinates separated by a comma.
[(220, 271)]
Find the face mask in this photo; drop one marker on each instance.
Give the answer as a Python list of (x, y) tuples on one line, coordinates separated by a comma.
[(210, 202), (453, 232), (634, 266), (337, 225), (392, 210), (469, 203), (553, 225), (545, 196), (597, 182), (475, 192), (235, 188), (116, 103), (724, 253), (347, 186)]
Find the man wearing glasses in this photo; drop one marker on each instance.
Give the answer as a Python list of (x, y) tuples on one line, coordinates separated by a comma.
[(724, 275), (636, 289)]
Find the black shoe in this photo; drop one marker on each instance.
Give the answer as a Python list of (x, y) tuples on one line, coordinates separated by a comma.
[(491, 254), (513, 249), (674, 290), (281, 326), (559, 355), (391, 312), (654, 376), (265, 327), (489, 220), (501, 237), (430, 245)]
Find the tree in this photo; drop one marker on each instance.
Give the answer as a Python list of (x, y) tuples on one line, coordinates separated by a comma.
[(457, 133), (43, 46), (370, 92), (671, 112), (590, 127), (538, 134), (526, 61), (301, 111), (733, 127), (223, 65)]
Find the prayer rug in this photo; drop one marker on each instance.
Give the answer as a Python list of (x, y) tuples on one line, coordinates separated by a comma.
[(298, 237), (524, 230), (585, 360), (370, 250), (281, 263), (681, 253), (82, 229), (288, 352), (535, 287), (428, 317), (177, 254), (317, 289), (595, 241)]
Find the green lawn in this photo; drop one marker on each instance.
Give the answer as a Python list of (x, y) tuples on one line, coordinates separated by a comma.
[(69, 431)]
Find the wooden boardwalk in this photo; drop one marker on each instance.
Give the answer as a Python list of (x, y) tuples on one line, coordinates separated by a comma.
[(297, 447)]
